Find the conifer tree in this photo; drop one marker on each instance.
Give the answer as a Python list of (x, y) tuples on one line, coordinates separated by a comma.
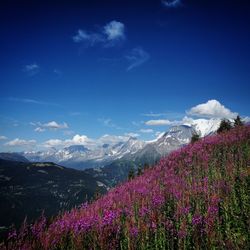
[(139, 170), (225, 125), (131, 173), (238, 121)]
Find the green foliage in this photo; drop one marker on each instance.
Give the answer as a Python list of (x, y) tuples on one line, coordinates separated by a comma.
[(139, 171), (238, 121), (131, 174), (225, 125)]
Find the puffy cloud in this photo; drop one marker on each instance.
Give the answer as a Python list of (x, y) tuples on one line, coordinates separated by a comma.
[(53, 143), (171, 3), (2, 137), (31, 69), (212, 109), (114, 30), (109, 35), (76, 140), (21, 142), (80, 139), (136, 58), (53, 125), (88, 142), (149, 130), (159, 122)]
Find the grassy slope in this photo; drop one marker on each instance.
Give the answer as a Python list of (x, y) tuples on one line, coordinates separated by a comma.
[(197, 197)]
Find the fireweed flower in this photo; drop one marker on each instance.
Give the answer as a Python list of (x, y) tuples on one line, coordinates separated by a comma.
[(108, 218), (197, 219), (134, 231)]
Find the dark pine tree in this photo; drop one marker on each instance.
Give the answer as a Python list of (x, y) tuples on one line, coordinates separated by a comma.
[(238, 121), (139, 171), (131, 173), (225, 125)]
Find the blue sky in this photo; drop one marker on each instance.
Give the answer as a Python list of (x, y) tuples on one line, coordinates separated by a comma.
[(91, 68)]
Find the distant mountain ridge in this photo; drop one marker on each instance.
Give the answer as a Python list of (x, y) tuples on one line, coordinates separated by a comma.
[(81, 157), (13, 157)]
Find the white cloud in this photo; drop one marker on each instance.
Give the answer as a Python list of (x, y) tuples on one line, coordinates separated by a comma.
[(137, 57), (39, 129), (151, 114), (114, 30), (76, 140), (131, 134), (21, 142), (91, 39), (160, 122), (88, 142), (53, 143), (80, 139), (212, 109), (2, 137), (31, 69), (149, 130), (53, 125), (109, 35), (171, 3)]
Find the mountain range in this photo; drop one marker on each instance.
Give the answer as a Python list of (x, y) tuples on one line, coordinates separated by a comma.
[(81, 157)]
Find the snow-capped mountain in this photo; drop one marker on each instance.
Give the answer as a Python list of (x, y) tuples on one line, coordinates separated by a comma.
[(80, 157), (203, 127), (174, 138), (132, 146), (76, 149)]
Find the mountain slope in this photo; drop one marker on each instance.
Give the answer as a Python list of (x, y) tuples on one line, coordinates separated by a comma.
[(13, 157), (27, 189), (197, 197)]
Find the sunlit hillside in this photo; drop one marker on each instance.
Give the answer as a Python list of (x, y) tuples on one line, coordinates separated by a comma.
[(197, 197)]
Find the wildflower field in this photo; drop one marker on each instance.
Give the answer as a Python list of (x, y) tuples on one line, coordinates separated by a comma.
[(198, 197)]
